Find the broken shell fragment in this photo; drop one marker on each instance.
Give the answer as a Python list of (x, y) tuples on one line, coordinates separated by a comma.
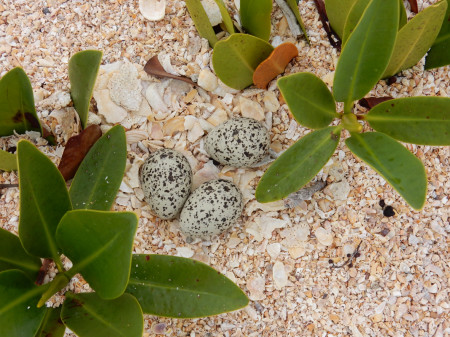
[(153, 10)]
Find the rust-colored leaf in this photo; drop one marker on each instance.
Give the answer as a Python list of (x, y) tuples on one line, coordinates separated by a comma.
[(274, 65), (414, 7), (76, 149), (154, 67), (370, 102)]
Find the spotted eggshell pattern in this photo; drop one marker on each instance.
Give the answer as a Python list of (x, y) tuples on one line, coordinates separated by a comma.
[(166, 179), (211, 209), (238, 142)]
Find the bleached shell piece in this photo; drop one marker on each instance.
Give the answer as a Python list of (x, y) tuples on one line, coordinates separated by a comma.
[(274, 250), (263, 227), (279, 274), (58, 100), (65, 118), (251, 109), (145, 110), (93, 119), (134, 136), (185, 252), (218, 117), (325, 237), (295, 236), (207, 80), (107, 108), (173, 125), (195, 133), (154, 95), (213, 11), (153, 10), (256, 287), (209, 171), (271, 102), (125, 87)]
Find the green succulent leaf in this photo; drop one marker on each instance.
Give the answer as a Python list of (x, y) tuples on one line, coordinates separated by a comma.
[(8, 161), (394, 163), (177, 287), (51, 325), (83, 70), (403, 16), (98, 178), (99, 244), (439, 54), (17, 111), (415, 38), (337, 12), (298, 165), (201, 21), (417, 120), (309, 99), (353, 18), (88, 315), (255, 17), (43, 201), (225, 16), (236, 58), (19, 316), (367, 52), (293, 5), (13, 256)]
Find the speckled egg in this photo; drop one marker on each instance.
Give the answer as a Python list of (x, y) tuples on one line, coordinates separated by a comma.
[(239, 142), (166, 179), (211, 209)]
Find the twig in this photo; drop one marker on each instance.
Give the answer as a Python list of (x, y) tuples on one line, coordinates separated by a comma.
[(350, 259), (8, 185)]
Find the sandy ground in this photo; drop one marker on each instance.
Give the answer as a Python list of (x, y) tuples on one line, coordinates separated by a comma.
[(278, 255)]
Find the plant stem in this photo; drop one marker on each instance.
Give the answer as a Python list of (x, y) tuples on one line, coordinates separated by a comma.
[(8, 185), (58, 263), (348, 106)]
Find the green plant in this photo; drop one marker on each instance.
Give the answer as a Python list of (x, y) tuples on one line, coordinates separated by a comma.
[(17, 110), (429, 28), (364, 59), (99, 243), (236, 58)]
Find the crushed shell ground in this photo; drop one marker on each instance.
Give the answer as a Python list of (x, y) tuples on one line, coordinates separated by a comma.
[(278, 256)]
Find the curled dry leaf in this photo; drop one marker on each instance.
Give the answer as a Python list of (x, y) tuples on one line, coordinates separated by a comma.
[(274, 64), (154, 67), (153, 10), (414, 7), (370, 102), (76, 149)]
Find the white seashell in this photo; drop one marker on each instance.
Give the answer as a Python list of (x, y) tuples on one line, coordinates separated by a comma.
[(263, 227), (324, 236), (218, 117), (208, 172), (152, 10), (58, 100), (154, 95), (213, 11), (271, 102), (274, 250), (251, 109), (134, 136), (173, 125), (125, 87), (195, 133), (256, 287), (207, 80), (156, 131), (279, 275)]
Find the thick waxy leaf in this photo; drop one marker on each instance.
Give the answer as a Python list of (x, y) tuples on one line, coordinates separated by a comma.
[(308, 99), (236, 58), (17, 111), (403, 16), (182, 288), (415, 38), (43, 201), (298, 165), (225, 16), (353, 18), (88, 315), (394, 163), (13, 256), (367, 52), (76, 149), (274, 65), (439, 54), (417, 120), (19, 316), (337, 12), (99, 244), (52, 326), (8, 161), (255, 17), (201, 21), (98, 178), (83, 70), (293, 5)]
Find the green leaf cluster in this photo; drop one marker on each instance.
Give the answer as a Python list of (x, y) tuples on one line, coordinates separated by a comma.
[(236, 57), (364, 60), (17, 109), (79, 224), (428, 29)]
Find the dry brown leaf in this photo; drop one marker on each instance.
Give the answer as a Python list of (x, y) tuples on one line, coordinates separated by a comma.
[(370, 102), (76, 149), (274, 65), (154, 67), (414, 7)]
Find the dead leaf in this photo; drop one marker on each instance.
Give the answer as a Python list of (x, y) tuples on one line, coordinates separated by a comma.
[(274, 65), (370, 102), (76, 149), (414, 7), (154, 67), (334, 39)]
